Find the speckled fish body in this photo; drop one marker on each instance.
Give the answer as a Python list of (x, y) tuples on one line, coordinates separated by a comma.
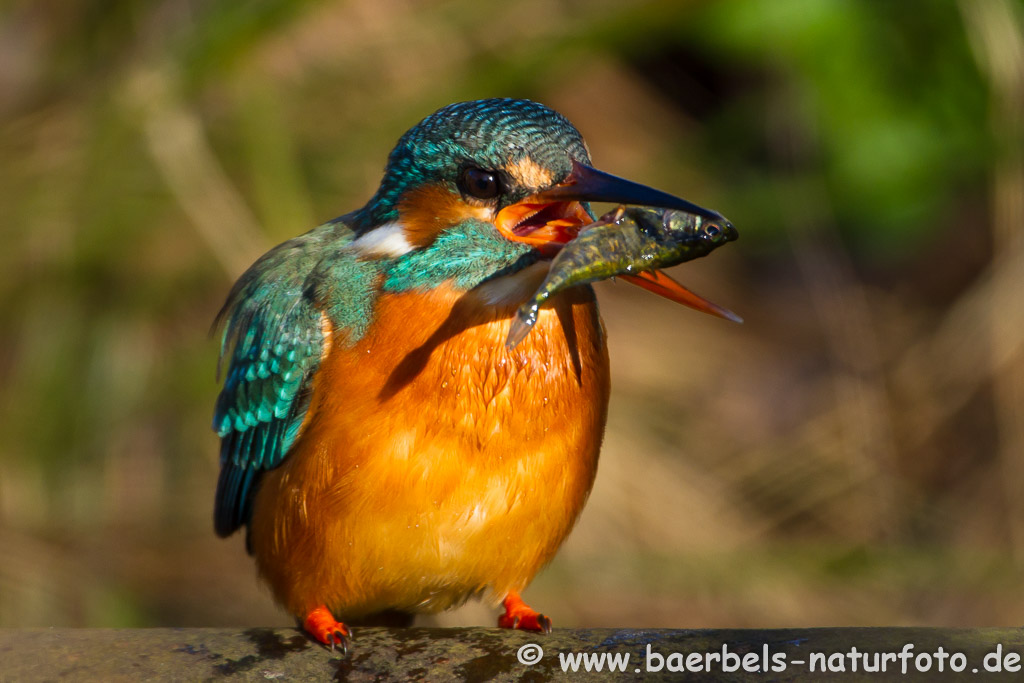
[(626, 241)]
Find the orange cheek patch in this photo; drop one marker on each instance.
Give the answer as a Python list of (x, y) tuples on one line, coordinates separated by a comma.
[(426, 211)]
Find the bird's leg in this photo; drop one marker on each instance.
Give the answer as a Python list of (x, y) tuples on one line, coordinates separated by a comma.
[(322, 625), (519, 615)]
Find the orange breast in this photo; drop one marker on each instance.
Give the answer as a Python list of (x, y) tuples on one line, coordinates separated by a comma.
[(434, 463)]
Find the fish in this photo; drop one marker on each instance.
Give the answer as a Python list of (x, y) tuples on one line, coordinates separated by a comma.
[(633, 243)]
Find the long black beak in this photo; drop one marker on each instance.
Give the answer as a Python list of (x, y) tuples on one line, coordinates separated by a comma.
[(588, 184)]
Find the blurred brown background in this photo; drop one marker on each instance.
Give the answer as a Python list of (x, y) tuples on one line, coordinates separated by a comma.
[(851, 455)]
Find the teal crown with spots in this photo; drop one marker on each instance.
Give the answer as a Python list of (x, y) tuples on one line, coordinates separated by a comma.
[(490, 134)]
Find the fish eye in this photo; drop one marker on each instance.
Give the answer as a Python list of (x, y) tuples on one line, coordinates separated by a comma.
[(476, 182), (713, 232)]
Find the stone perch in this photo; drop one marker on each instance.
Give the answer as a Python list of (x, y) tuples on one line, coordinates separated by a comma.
[(483, 654)]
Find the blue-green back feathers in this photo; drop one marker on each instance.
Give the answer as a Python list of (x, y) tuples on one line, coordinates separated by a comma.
[(274, 335)]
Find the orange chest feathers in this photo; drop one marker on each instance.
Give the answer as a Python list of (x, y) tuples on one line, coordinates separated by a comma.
[(434, 463)]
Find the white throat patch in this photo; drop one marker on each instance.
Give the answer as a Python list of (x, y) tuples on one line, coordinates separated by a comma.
[(384, 240)]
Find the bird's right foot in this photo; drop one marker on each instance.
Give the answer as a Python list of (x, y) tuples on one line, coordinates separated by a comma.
[(322, 625), (519, 615)]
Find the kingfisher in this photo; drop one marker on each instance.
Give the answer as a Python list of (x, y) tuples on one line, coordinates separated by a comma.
[(386, 452)]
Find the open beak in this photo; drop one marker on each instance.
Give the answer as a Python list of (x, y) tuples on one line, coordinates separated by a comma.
[(550, 219), (658, 282), (589, 184), (546, 224)]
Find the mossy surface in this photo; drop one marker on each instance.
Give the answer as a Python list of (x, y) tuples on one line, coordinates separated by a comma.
[(479, 654)]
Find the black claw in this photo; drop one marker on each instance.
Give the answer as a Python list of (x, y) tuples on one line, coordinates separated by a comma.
[(544, 622), (342, 641), (338, 640)]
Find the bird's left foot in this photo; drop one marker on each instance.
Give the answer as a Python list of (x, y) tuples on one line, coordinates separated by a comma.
[(519, 615), (322, 625)]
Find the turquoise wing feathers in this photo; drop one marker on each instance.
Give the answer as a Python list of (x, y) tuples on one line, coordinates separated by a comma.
[(274, 337)]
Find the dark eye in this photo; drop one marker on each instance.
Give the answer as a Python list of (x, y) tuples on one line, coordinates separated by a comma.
[(476, 182), (712, 231)]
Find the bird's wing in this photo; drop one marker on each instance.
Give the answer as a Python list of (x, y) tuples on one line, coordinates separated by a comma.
[(274, 338)]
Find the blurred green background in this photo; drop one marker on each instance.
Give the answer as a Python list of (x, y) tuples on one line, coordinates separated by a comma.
[(851, 455)]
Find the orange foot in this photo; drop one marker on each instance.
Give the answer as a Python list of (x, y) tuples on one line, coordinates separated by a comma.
[(322, 625), (519, 615)]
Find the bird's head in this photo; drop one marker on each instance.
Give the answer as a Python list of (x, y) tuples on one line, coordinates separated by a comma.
[(483, 188)]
